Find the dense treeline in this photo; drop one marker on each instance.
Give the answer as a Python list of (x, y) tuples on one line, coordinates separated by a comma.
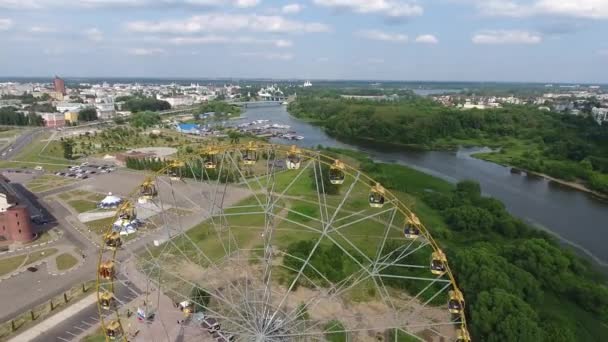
[(220, 108), (142, 103), (564, 146), (87, 114), (520, 284), (10, 116), (508, 270), (144, 119)]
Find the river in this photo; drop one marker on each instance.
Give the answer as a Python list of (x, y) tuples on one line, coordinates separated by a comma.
[(575, 217)]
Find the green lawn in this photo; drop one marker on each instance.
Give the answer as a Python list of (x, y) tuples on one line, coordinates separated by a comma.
[(39, 255), (33, 152), (101, 226), (82, 206), (8, 265), (334, 331), (98, 336), (65, 261)]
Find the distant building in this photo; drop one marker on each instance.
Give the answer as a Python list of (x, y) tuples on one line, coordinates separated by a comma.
[(15, 222), (188, 128), (53, 119), (69, 106), (105, 111), (179, 100), (71, 117), (307, 84), (59, 85)]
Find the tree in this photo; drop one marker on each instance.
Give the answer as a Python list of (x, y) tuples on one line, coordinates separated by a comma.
[(200, 299), (144, 119), (234, 136), (501, 316), (469, 218), (68, 148), (141, 103), (545, 261), (468, 189), (480, 268), (87, 114)]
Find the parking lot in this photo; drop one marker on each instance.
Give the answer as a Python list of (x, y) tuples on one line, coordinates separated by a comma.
[(86, 170)]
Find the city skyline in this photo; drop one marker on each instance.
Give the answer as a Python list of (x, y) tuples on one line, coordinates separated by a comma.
[(446, 40)]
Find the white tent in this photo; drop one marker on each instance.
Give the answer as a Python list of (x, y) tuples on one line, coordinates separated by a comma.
[(125, 227), (110, 201)]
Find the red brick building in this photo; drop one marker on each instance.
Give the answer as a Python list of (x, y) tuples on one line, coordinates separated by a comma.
[(59, 85), (15, 224)]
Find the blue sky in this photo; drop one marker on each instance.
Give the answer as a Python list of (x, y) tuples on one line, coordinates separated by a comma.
[(468, 40)]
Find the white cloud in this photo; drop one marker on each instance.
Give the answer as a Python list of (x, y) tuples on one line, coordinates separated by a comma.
[(94, 34), (603, 52), (283, 43), (145, 51), (216, 39), (42, 4), (292, 8), (246, 3), (226, 22), (5, 24), (427, 39), (382, 36), (42, 29), (589, 9), (269, 55), (389, 8), (506, 37)]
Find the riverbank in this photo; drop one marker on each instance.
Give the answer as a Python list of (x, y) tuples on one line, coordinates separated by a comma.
[(486, 156), (576, 185), (486, 245)]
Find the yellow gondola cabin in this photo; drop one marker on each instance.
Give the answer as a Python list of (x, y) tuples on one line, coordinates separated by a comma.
[(336, 173), (376, 196)]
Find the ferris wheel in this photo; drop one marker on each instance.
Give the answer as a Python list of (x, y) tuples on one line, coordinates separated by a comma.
[(262, 242)]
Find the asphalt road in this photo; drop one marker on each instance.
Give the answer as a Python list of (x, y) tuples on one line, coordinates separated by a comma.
[(21, 141), (27, 290), (77, 324)]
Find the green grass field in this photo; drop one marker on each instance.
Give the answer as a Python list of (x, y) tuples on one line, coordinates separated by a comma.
[(8, 265), (39, 255), (82, 206), (65, 261), (100, 226)]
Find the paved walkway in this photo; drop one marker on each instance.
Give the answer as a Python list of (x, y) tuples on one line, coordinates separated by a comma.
[(51, 262), (40, 328)]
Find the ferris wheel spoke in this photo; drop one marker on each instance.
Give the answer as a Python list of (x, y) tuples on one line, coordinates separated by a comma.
[(320, 193), (293, 181), (214, 294), (386, 233), (361, 219), (323, 234), (244, 180), (219, 227), (269, 225)]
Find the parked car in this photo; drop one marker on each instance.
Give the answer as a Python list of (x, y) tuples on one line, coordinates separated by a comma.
[(32, 269)]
